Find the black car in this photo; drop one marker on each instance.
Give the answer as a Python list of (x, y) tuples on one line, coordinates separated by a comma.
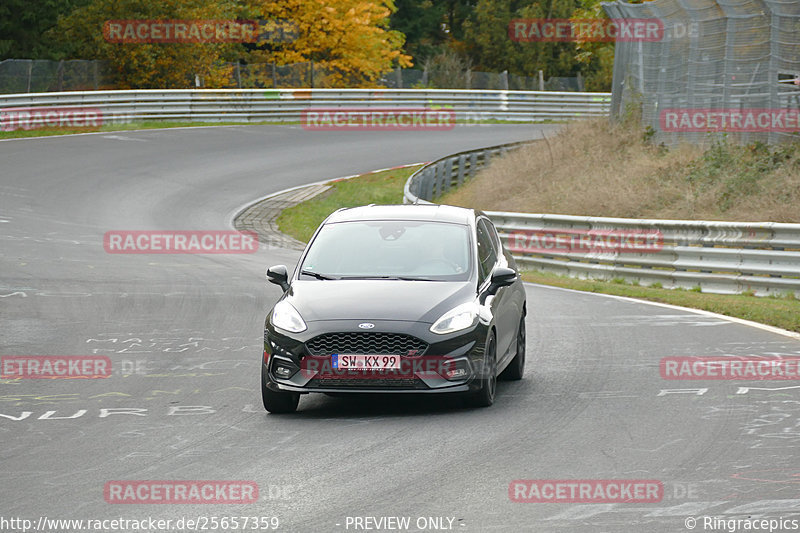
[(396, 299)]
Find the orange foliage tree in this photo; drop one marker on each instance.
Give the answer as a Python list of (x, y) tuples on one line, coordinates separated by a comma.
[(349, 40)]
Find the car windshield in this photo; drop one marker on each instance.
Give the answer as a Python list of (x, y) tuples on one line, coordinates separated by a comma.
[(391, 249)]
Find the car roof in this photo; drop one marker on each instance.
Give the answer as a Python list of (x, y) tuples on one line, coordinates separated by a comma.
[(427, 212)]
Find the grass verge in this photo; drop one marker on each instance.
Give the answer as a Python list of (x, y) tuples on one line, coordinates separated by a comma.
[(385, 187), (159, 124), (782, 312), (144, 125)]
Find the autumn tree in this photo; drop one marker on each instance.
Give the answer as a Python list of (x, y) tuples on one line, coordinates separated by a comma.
[(596, 58), (150, 65), (348, 39)]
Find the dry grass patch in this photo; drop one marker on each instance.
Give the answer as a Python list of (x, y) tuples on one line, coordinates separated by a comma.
[(595, 168)]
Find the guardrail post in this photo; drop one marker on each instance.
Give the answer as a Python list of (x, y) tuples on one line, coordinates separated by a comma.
[(447, 176), (440, 178), (60, 75), (473, 164), (428, 181), (462, 159)]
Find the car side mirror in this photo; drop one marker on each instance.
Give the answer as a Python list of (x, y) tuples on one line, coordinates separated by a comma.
[(279, 276), (502, 277)]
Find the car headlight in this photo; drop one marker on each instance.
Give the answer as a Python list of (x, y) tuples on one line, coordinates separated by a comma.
[(462, 317), (285, 316)]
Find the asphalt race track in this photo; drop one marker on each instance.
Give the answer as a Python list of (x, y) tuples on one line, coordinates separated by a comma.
[(184, 334)]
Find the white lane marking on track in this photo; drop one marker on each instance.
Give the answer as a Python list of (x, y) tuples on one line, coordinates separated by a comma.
[(771, 329), (20, 293), (661, 320), (121, 138), (656, 449)]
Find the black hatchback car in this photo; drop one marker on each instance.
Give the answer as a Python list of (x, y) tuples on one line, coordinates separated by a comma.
[(396, 299)]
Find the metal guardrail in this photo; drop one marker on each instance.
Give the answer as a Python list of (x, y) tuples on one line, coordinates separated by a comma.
[(285, 105), (438, 177), (719, 257)]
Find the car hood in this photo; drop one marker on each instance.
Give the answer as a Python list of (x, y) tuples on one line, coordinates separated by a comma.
[(418, 301)]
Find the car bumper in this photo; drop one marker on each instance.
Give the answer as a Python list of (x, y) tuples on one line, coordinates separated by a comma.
[(421, 373)]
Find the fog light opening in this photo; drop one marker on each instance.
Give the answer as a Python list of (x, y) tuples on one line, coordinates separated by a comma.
[(283, 371), (456, 370), (456, 373)]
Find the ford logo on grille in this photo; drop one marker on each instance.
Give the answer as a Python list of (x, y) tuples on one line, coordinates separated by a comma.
[(366, 325)]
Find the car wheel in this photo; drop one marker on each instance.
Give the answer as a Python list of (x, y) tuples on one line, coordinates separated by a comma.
[(516, 367), (277, 402), (485, 396)]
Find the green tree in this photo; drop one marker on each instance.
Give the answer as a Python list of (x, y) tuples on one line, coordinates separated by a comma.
[(150, 65), (431, 27), (421, 22), (23, 24), (490, 47)]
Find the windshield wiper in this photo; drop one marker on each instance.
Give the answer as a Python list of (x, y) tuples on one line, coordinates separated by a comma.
[(403, 278), (317, 275), (368, 277)]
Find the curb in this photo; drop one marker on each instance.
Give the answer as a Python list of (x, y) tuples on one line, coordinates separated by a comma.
[(262, 215)]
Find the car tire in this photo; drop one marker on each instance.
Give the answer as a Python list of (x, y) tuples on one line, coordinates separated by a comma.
[(277, 402), (485, 396), (516, 368)]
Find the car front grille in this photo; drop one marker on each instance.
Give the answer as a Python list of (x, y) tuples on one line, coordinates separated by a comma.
[(364, 384), (366, 343)]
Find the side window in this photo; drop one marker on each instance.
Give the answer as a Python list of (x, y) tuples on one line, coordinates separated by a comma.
[(487, 255), (495, 237)]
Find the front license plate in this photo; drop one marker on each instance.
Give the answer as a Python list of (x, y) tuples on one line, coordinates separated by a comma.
[(365, 362)]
